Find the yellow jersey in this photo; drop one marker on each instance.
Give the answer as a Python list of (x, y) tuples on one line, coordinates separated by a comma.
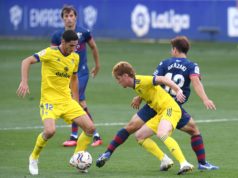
[(154, 95), (56, 72)]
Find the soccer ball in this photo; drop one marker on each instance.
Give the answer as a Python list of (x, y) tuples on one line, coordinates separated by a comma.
[(82, 160)]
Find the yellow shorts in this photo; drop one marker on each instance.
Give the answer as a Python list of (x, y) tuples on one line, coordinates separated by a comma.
[(68, 111), (172, 114)]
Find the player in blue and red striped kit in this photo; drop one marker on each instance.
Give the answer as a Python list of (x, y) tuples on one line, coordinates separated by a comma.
[(69, 16), (183, 72)]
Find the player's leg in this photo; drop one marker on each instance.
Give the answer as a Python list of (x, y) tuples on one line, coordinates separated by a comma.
[(188, 125), (97, 141), (142, 137), (85, 137), (168, 121), (49, 113), (49, 131), (73, 112), (83, 80), (121, 136)]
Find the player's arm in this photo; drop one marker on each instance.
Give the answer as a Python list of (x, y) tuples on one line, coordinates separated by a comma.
[(136, 101), (74, 86), (23, 88), (93, 46), (199, 89), (158, 80)]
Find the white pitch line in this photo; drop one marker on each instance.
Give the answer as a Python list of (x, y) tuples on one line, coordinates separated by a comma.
[(113, 124)]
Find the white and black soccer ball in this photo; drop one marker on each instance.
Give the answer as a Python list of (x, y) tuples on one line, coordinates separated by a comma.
[(82, 160)]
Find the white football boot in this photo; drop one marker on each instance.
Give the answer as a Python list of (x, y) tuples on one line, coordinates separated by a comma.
[(33, 166), (166, 163), (185, 167)]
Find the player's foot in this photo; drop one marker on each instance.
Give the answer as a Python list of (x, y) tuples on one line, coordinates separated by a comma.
[(97, 141), (185, 167), (207, 166), (71, 142), (102, 159), (166, 163), (33, 166)]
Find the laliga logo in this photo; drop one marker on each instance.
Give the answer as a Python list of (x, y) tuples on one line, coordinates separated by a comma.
[(142, 20), (15, 16), (232, 22), (90, 16)]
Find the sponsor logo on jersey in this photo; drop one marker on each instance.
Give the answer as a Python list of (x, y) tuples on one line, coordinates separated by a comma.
[(62, 74)]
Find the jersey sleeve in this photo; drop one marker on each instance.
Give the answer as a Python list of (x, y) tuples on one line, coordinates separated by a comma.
[(42, 55), (159, 71), (77, 57), (194, 70), (87, 35)]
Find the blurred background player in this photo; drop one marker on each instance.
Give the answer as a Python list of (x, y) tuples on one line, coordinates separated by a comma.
[(69, 16), (167, 117), (182, 71), (59, 70)]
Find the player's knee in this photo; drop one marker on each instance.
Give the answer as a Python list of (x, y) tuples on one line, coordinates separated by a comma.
[(162, 135), (48, 133), (191, 128), (139, 136), (90, 129)]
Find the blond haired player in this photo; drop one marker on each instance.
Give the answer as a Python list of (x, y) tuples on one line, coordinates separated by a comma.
[(168, 112)]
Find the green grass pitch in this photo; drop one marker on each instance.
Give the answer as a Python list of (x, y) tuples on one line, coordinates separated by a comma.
[(109, 103)]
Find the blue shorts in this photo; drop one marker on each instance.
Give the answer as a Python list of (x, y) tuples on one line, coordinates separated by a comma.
[(83, 81), (146, 113)]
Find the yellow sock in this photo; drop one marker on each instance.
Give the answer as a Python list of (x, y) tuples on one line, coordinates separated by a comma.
[(174, 148), (40, 144), (152, 147), (83, 142)]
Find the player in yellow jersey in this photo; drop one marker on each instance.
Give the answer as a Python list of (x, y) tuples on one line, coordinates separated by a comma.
[(59, 74), (168, 111)]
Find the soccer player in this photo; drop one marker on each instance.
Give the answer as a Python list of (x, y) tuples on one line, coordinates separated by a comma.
[(168, 111), (182, 71), (58, 72), (69, 16)]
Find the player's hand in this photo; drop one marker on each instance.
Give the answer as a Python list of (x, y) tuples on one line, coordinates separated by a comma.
[(180, 96), (209, 104), (95, 71), (23, 89), (136, 101)]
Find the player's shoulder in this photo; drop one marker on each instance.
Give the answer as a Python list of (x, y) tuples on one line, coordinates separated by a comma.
[(54, 48), (81, 29), (75, 55), (58, 33)]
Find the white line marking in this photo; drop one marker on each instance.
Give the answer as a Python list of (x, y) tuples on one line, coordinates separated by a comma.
[(112, 124)]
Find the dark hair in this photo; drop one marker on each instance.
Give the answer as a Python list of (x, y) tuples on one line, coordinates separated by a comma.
[(68, 9), (181, 43), (70, 35)]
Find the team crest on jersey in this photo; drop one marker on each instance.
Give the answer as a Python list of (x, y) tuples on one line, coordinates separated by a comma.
[(72, 61), (58, 59), (79, 35), (66, 69)]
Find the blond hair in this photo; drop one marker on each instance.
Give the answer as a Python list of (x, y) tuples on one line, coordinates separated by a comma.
[(123, 67)]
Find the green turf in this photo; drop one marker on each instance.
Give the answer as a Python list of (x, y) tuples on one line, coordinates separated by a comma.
[(109, 103)]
